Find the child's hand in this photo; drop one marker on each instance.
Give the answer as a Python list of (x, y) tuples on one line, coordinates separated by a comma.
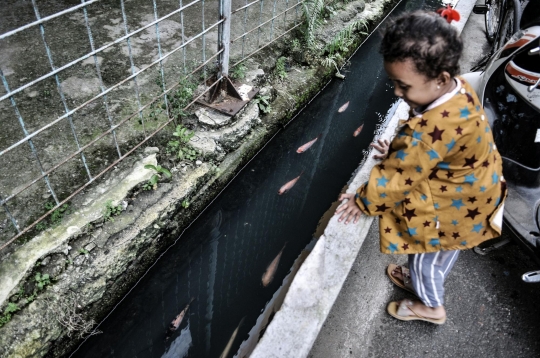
[(382, 146), (350, 210)]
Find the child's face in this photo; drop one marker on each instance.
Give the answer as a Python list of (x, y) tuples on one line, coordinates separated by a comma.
[(414, 88)]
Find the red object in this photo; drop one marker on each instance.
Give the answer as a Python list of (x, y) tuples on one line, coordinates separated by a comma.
[(449, 14)]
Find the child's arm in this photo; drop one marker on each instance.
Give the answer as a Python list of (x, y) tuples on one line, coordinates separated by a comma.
[(350, 210), (410, 161)]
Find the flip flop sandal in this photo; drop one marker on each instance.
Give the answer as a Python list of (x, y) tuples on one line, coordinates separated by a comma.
[(406, 284), (404, 312)]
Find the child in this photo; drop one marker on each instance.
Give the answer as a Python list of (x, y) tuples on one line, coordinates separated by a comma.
[(439, 188)]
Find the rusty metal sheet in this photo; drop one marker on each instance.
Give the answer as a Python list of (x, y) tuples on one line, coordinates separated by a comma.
[(231, 103)]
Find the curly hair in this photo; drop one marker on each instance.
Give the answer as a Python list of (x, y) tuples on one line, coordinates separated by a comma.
[(425, 38)]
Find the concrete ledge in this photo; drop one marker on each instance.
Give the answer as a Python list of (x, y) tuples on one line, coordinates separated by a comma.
[(17, 265)]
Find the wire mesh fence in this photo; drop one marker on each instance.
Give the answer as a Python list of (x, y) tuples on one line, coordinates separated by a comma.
[(84, 86)]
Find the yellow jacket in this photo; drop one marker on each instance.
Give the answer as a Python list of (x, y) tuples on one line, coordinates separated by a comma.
[(441, 185)]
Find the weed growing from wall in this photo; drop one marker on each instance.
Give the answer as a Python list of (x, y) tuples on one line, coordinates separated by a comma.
[(111, 210), (151, 184), (5, 317), (280, 70), (42, 281), (177, 100), (55, 218), (313, 11), (342, 42), (181, 97), (181, 146), (238, 72), (264, 103)]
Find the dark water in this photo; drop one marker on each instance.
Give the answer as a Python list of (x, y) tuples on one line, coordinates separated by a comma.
[(220, 259)]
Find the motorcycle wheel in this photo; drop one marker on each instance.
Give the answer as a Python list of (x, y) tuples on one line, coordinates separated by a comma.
[(510, 23), (492, 18)]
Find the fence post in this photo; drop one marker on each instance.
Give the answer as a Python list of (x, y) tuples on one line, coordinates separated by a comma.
[(225, 39)]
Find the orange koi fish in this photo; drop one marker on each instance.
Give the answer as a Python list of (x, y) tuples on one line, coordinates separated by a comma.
[(358, 130), (449, 14), (268, 276), (343, 108), (289, 185), (178, 320), (306, 146)]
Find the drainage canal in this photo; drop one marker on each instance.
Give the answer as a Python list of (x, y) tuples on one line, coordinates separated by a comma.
[(219, 262)]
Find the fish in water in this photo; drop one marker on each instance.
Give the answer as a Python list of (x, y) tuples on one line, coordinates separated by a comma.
[(343, 108), (268, 275), (289, 185), (358, 130), (227, 349), (178, 320), (306, 146)]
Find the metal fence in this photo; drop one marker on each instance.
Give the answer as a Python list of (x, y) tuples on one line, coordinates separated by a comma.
[(84, 86)]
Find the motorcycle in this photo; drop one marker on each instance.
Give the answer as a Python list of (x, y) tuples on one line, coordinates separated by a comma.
[(509, 89)]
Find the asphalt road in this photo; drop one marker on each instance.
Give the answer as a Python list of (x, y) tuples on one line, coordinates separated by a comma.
[(491, 312)]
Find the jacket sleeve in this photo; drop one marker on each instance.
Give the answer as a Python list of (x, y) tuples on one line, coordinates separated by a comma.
[(409, 162)]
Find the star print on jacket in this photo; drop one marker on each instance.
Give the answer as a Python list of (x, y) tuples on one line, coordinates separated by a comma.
[(441, 183)]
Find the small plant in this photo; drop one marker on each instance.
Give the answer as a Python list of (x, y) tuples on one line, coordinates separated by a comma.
[(280, 68), (330, 61), (180, 98), (264, 103), (5, 317), (182, 148), (42, 281), (214, 168), (176, 100), (42, 225), (313, 11), (83, 252), (188, 153), (19, 294), (111, 210), (59, 213), (185, 204), (183, 134), (152, 182), (56, 216), (239, 72), (172, 147), (296, 45), (344, 39), (31, 298)]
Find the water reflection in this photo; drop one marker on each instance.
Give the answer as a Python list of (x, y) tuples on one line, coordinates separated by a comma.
[(179, 348)]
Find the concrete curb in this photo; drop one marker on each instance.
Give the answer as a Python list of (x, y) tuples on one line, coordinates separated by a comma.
[(312, 294)]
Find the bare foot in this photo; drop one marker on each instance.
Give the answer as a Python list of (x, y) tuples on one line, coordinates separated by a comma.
[(429, 312), (397, 273)]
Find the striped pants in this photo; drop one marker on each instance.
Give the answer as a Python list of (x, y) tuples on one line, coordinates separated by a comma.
[(428, 272)]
